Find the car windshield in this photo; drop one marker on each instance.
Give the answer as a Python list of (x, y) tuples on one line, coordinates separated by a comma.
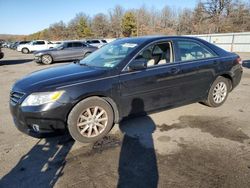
[(110, 55)]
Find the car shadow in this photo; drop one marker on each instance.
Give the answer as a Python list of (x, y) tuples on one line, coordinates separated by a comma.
[(137, 162), (41, 166), (246, 63), (15, 61)]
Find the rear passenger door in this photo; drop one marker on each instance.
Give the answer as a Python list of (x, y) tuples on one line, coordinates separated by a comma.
[(72, 51), (79, 50), (197, 64)]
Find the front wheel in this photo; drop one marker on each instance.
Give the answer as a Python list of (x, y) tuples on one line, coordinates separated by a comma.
[(46, 59), (218, 92), (90, 120)]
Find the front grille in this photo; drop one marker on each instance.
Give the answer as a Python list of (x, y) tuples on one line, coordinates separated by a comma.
[(15, 97)]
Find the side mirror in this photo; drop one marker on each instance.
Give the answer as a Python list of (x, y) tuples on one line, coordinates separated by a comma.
[(76, 61), (246, 63), (138, 64)]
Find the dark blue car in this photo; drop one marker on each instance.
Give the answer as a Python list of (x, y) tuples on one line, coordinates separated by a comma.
[(126, 77)]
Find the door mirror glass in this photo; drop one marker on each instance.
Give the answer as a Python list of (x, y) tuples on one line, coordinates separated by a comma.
[(138, 64)]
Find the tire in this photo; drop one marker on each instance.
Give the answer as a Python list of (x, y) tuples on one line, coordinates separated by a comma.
[(25, 51), (46, 59), (221, 86), (86, 54), (83, 122)]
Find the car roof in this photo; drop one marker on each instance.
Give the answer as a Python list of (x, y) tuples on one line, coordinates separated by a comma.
[(154, 38), (73, 41)]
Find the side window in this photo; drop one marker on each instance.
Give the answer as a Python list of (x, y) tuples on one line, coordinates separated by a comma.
[(157, 54), (40, 42), (94, 42), (77, 44), (69, 45), (189, 50)]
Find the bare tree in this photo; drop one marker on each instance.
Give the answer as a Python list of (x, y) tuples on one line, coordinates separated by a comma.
[(100, 25), (208, 16), (216, 9), (116, 21)]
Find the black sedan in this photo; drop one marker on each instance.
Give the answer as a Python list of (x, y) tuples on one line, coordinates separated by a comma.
[(126, 77), (66, 51)]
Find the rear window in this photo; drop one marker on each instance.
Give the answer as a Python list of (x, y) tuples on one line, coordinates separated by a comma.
[(190, 50)]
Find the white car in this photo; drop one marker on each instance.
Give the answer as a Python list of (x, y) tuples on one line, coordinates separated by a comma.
[(35, 46), (96, 42)]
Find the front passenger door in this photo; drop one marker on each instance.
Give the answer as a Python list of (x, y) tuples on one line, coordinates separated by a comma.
[(156, 86)]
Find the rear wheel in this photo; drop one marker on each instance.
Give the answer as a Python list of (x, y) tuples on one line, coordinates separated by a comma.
[(25, 51), (46, 59), (218, 92), (90, 120)]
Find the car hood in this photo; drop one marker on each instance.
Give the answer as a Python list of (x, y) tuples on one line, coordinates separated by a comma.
[(55, 77)]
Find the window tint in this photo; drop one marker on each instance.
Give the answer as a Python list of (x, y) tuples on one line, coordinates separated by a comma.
[(104, 41), (157, 54), (93, 41), (189, 50), (39, 42), (69, 45), (77, 44)]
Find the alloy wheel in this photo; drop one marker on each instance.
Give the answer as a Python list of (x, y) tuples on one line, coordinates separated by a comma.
[(92, 121), (219, 92)]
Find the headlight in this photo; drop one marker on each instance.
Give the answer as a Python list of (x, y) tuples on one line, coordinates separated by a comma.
[(36, 99)]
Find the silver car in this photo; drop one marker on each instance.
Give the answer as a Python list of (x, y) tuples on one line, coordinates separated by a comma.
[(66, 51)]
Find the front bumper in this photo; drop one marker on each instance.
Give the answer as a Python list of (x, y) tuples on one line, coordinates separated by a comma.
[(40, 121), (38, 59)]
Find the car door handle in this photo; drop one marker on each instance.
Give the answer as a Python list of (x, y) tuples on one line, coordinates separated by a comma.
[(174, 70)]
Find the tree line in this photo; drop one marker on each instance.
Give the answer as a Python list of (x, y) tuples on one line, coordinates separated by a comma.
[(208, 16)]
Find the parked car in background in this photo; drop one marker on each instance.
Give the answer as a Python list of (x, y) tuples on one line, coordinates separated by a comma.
[(96, 42), (35, 46), (126, 77), (67, 51), (5, 45), (12, 46), (1, 53), (9, 44), (20, 43)]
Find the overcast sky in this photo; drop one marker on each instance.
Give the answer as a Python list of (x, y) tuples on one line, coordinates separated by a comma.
[(29, 16)]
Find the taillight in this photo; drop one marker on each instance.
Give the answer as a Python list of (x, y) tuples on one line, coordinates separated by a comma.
[(239, 61)]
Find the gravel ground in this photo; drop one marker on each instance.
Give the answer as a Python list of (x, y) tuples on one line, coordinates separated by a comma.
[(189, 146)]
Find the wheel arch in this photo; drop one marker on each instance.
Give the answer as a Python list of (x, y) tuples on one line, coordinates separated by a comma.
[(109, 100), (229, 77), (49, 55), (25, 47)]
